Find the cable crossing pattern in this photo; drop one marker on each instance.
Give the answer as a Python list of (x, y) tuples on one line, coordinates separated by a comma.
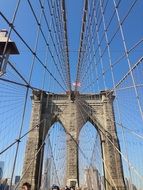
[(60, 62)]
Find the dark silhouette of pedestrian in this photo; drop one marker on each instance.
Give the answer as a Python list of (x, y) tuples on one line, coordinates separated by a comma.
[(26, 186)]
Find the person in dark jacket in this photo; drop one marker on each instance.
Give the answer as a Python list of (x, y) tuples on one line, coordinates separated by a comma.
[(55, 187)]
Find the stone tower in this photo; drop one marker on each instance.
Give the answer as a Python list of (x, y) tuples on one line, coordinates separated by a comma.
[(73, 111)]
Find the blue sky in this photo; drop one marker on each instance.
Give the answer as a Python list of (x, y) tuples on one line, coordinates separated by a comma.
[(12, 96)]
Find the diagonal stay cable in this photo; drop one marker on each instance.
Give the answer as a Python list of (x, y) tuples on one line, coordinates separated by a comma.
[(39, 60), (54, 162), (116, 62), (31, 162), (58, 52), (21, 137), (44, 37), (119, 124)]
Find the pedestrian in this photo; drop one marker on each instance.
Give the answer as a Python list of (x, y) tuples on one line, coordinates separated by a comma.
[(72, 188), (26, 186), (67, 188), (55, 187)]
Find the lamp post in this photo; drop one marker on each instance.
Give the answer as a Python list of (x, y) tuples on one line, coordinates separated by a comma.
[(7, 48)]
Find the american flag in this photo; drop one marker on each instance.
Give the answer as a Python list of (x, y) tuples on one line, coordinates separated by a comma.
[(78, 84)]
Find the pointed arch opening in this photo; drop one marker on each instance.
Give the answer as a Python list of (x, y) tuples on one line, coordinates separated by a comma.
[(54, 159), (90, 157)]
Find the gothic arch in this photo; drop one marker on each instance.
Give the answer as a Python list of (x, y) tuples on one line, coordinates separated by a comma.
[(69, 114), (89, 170), (50, 122)]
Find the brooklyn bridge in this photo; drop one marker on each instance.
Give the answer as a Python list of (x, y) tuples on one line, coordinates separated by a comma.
[(71, 94)]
